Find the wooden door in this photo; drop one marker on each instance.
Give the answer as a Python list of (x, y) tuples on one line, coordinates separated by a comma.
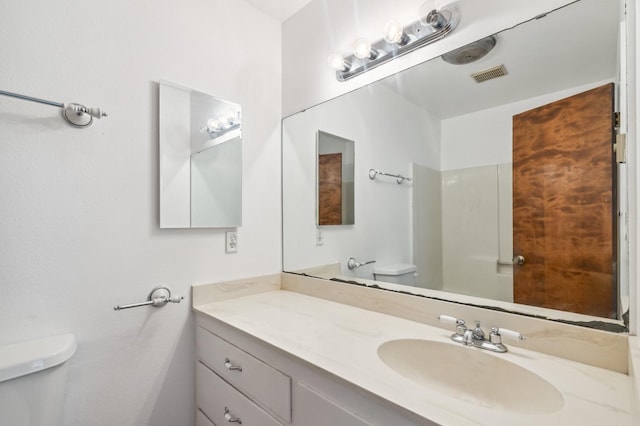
[(330, 189), (564, 204)]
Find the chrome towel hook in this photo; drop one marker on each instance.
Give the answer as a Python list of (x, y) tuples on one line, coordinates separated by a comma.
[(158, 297)]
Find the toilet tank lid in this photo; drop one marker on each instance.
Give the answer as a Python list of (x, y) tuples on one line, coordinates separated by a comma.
[(395, 269), (22, 358)]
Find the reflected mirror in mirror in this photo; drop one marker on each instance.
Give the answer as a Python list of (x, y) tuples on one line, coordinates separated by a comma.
[(335, 165), (200, 160), (491, 211)]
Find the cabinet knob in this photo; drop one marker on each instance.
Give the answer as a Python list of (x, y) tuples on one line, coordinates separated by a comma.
[(230, 418), (231, 366)]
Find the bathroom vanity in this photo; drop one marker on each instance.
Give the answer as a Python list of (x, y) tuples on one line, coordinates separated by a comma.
[(240, 378), (268, 354)]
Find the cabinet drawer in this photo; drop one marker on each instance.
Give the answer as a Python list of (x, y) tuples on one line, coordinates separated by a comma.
[(202, 420), (261, 382), (216, 398)]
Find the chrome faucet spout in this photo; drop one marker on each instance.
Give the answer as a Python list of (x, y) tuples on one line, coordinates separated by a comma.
[(467, 338), (478, 332)]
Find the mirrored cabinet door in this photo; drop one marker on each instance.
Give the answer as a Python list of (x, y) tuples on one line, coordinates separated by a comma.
[(200, 159)]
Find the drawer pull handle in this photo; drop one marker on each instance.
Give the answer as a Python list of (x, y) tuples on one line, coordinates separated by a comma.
[(230, 366), (230, 418)]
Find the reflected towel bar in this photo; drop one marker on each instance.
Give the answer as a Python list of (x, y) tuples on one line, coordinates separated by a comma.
[(373, 173)]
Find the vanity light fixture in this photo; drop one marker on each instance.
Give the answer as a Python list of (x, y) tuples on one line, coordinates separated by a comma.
[(222, 125), (434, 24), (213, 125)]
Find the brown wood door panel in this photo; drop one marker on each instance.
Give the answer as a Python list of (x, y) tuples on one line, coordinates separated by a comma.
[(330, 189), (563, 204)]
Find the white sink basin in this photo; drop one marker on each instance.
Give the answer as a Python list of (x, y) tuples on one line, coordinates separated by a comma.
[(471, 375)]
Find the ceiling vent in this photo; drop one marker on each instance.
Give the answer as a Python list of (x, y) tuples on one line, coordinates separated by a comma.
[(471, 52), (491, 73)]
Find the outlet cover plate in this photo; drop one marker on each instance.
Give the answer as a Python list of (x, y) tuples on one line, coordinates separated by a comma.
[(231, 241)]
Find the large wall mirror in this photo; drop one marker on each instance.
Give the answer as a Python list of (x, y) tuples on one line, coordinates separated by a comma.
[(200, 160), (514, 188)]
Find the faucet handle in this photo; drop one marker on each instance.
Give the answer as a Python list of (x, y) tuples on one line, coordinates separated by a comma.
[(448, 320), (461, 328), (515, 335), (460, 324)]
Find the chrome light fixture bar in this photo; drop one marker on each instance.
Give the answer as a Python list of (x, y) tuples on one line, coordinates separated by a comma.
[(217, 127), (397, 41), (214, 134)]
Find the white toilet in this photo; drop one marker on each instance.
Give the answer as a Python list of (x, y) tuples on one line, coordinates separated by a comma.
[(33, 376), (398, 273)]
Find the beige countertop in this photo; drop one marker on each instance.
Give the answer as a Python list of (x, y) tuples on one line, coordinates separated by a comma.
[(634, 372), (344, 340)]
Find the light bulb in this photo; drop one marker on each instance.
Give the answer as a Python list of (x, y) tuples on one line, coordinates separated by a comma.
[(431, 14), (337, 62), (394, 33), (213, 125), (230, 118), (428, 12), (362, 49)]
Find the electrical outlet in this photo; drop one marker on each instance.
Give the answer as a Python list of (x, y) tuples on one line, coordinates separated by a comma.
[(319, 237), (231, 241)]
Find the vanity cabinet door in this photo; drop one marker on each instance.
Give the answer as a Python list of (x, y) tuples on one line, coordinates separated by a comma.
[(312, 409), (256, 379), (202, 420), (223, 404)]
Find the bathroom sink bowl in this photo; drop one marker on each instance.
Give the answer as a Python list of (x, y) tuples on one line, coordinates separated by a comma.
[(471, 376)]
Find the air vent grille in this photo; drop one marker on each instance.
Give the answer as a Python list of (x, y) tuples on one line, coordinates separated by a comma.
[(489, 74)]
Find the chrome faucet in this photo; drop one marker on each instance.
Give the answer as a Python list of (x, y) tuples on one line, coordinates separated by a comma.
[(476, 337), (467, 338)]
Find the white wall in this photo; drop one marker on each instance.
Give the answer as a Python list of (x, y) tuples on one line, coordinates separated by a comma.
[(471, 238), (382, 229), (326, 26), (427, 226), (633, 154), (79, 208)]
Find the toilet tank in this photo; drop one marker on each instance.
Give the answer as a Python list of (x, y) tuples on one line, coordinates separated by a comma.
[(33, 377), (398, 273)]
